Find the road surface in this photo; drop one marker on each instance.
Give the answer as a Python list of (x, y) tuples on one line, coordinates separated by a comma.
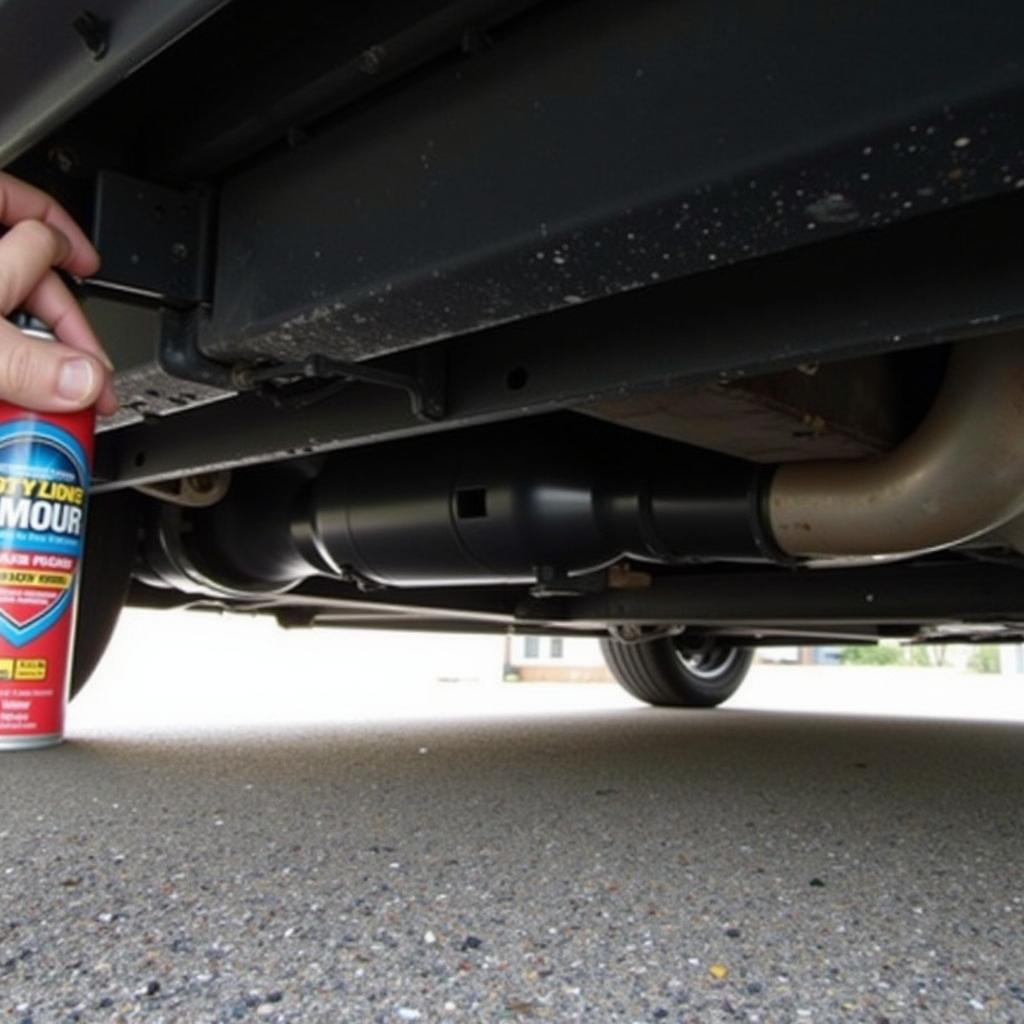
[(616, 864)]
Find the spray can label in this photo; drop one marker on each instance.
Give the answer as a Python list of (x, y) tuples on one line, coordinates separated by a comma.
[(44, 484)]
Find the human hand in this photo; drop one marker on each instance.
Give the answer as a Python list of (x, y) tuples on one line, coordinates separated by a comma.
[(73, 372)]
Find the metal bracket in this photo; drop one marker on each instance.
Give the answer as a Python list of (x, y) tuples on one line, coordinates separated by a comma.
[(154, 240), (180, 355), (297, 385), (631, 633), (201, 490)]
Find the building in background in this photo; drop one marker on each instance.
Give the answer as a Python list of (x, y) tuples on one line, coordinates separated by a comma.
[(554, 659), (1011, 658)]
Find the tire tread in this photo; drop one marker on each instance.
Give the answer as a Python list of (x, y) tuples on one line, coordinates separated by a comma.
[(651, 672)]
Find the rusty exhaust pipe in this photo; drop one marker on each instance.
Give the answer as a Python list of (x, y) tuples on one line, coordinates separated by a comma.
[(959, 475)]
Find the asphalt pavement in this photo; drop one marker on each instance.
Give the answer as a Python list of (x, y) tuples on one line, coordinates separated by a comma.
[(610, 865)]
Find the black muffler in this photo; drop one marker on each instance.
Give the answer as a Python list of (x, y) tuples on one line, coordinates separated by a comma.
[(501, 505)]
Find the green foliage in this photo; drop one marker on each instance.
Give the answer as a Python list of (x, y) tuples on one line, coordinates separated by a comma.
[(927, 655), (984, 658), (919, 656), (872, 654)]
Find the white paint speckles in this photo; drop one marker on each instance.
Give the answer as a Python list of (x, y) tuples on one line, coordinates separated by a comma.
[(834, 208), (963, 142)]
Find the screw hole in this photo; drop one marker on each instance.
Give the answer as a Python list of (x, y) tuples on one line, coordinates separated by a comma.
[(471, 503), (516, 379), (94, 32), (140, 458)]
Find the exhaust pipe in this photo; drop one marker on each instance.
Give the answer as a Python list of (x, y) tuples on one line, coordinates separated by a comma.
[(503, 506), (960, 474)]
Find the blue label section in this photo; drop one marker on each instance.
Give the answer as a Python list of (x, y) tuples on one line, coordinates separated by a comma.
[(43, 480), (24, 540)]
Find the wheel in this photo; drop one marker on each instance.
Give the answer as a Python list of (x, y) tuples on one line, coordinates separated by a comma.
[(673, 671), (110, 544)]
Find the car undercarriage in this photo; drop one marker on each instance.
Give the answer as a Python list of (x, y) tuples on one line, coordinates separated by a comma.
[(690, 328)]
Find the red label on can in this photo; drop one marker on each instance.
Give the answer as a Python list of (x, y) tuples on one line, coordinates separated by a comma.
[(44, 485)]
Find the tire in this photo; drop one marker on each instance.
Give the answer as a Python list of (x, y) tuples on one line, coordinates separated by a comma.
[(668, 672), (110, 544)]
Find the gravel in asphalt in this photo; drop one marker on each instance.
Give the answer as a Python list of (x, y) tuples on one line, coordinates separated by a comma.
[(629, 865)]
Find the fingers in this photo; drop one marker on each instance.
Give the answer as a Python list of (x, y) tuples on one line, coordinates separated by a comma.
[(75, 372), (27, 252), (19, 202), (49, 376), (52, 303)]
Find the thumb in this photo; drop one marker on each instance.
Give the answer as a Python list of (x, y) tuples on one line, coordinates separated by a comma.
[(46, 376)]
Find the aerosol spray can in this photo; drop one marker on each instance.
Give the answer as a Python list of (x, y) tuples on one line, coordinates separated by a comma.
[(44, 484)]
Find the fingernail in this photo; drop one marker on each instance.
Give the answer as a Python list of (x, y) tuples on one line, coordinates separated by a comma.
[(76, 379)]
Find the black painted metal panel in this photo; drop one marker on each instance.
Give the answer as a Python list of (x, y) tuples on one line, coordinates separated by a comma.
[(48, 71), (896, 594), (602, 147), (929, 280)]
